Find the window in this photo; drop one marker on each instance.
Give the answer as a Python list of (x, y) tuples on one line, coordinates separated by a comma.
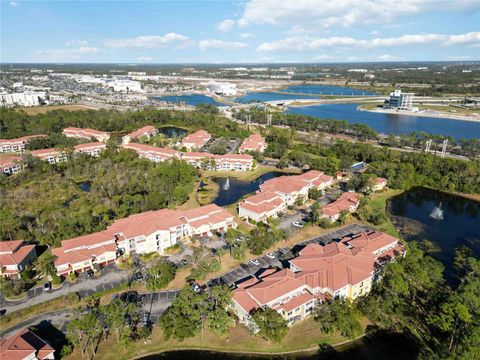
[(289, 313)]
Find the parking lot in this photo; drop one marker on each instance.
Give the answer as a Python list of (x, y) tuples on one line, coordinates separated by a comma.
[(281, 260)]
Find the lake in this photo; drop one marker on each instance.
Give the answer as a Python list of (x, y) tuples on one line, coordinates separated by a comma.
[(391, 123), (239, 188), (193, 99), (172, 131), (262, 96), (447, 220)]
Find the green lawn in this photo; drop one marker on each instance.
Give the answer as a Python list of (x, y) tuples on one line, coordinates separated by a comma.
[(378, 203), (305, 335)]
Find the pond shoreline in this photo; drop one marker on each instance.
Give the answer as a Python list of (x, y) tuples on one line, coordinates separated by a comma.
[(311, 350)]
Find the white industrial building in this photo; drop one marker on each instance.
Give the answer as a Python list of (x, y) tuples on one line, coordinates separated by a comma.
[(125, 86), (28, 98), (223, 88), (400, 100)]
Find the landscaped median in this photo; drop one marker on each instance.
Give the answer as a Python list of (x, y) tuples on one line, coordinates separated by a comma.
[(302, 337)]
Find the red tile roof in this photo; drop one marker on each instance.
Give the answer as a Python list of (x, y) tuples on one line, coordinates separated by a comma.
[(23, 345), (20, 140), (8, 161), (254, 142), (90, 146), (146, 130), (343, 203), (16, 257), (86, 132), (199, 138)]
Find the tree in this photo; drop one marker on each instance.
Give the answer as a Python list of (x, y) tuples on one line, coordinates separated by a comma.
[(46, 265), (220, 253), (183, 318), (341, 316), (160, 275), (114, 315), (273, 327)]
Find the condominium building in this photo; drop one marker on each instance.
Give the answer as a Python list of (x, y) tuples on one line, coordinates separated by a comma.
[(79, 133), (377, 184), (152, 231), (254, 142), (17, 145), (152, 153), (10, 164), (261, 206), (92, 149), (25, 345), (344, 269), (227, 162), (52, 155), (15, 255), (196, 140), (146, 131), (290, 188), (348, 202)]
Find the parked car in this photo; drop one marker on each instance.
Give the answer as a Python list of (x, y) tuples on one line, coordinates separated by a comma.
[(298, 224), (284, 251), (196, 288), (271, 255), (89, 272), (146, 317), (47, 286), (3, 311), (255, 262)]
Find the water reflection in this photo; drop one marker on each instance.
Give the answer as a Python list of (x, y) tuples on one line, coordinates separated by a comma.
[(412, 214)]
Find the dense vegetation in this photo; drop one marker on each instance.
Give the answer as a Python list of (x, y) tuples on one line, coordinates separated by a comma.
[(46, 204), (16, 123)]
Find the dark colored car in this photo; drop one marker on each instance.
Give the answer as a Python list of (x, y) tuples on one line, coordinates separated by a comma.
[(47, 286), (89, 272)]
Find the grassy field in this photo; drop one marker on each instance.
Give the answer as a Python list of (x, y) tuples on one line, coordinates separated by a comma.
[(378, 203), (239, 340), (247, 175), (43, 109)]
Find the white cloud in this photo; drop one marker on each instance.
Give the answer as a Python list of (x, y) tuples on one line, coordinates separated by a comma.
[(144, 58), (226, 25), (76, 42), (14, 3), (67, 54), (343, 13), (147, 41), (247, 36), (309, 43), (220, 44), (387, 57)]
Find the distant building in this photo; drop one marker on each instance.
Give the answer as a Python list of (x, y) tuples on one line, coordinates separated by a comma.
[(52, 156), (153, 153), (92, 149), (15, 256), (125, 86), (17, 145), (400, 100), (254, 142), (80, 133), (222, 88), (25, 345), (377, 184), (10, 164), (146, 131), (27, 98)]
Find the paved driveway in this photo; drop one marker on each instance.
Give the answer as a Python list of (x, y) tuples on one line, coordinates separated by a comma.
[(110, 277)]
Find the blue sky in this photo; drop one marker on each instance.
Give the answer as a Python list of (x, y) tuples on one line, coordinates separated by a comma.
[(239, 32)]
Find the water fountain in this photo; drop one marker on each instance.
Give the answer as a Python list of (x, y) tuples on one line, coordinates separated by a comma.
[(437, 212), (226, 186)]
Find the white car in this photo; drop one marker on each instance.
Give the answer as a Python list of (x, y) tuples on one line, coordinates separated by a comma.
[(298, 224), (255, 262), (271, 255)]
